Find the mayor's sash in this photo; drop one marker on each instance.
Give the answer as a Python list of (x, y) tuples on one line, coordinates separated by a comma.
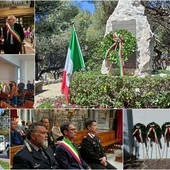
[(17, 37), (69, 146)]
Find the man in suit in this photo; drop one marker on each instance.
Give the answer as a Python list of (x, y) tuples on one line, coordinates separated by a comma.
[(13, 35), (35, 154), (16, 138), (67, 152), (92, 150)]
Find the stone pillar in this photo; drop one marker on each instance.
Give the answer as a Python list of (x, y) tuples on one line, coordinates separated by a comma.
[(132, 10)]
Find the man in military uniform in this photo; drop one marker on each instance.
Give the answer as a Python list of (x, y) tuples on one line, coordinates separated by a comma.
[(35, 154), (92, 150)]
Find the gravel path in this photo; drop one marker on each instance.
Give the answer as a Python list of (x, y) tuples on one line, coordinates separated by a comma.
[(51, 90)]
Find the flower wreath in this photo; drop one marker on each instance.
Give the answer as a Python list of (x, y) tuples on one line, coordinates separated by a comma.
[(139, 132), (166, 131), (128, 44), (154, 132)]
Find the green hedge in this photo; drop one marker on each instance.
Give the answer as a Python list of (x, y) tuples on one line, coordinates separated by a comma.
[(92, 89)]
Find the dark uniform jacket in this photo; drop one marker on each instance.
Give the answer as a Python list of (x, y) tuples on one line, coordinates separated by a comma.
[(67, 161), (92, 151), (18, 28), (16, 138), (51, 143), (29, 158)]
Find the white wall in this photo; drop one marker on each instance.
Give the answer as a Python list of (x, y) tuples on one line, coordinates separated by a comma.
[(145, 116), (9, 65), (7, 72), (27, 70)]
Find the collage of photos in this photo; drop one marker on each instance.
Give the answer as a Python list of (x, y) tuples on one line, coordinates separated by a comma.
[(84, 84)]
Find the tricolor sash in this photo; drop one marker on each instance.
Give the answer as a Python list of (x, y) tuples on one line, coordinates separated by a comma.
[(118, 44), (69, 146), (138, 132), (17, 37), (152, 130), (167, 132)]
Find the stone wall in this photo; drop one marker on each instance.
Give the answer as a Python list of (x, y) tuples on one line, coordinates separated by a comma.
[(104, 118)]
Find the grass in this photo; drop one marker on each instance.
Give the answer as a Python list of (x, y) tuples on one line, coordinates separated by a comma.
[(4, 165)]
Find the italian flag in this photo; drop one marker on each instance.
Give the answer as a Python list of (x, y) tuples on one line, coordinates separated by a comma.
[(74, 61)]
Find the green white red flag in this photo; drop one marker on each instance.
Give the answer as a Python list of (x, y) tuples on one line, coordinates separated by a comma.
[(74, 61)]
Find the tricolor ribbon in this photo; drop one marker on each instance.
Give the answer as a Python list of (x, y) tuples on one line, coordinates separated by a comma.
[(152, 130), (17, 37), (118, 44), (138, 132), (69, 146), (167, 132)]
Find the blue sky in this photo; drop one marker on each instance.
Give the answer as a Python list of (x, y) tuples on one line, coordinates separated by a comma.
[(1, 110), (85, 5), (88, 6)]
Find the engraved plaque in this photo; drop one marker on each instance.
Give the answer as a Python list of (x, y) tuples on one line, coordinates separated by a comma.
[(130, 25)]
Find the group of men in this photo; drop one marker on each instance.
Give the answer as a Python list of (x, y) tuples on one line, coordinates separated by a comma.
[(40, 152), (12, 35)]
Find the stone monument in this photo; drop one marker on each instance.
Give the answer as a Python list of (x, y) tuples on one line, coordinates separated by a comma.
[(130, 16)]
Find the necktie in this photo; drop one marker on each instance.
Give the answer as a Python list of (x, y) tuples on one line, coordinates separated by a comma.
[(42, 153)]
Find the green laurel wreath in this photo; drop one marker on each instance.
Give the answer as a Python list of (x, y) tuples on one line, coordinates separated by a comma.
[(157, 130), (143, 129), (129, 45), (164, 128)]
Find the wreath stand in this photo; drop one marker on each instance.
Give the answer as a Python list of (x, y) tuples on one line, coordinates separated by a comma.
[(138, 135), (166, 134), (154, 140)]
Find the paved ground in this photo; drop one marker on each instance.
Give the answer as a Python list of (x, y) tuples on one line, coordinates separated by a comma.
[(29, 48), (148, 164), (51, 90)]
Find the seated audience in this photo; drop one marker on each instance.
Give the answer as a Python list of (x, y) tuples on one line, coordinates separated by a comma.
[(21, 87), (32, 86), (67, 153), (10, 85), (1, 87), (57, 135), (6, 88), (35, 154), (15, 138), (14, 94), (92, 150), (46, 123)]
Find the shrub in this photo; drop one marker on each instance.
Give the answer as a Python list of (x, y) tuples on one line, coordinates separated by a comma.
[(92, 89)]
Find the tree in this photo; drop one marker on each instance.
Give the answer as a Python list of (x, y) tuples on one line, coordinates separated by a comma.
[(52, 34), (158, 14)]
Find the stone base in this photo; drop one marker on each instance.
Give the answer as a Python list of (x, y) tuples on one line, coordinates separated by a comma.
[(127, 72), (38, 86)]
